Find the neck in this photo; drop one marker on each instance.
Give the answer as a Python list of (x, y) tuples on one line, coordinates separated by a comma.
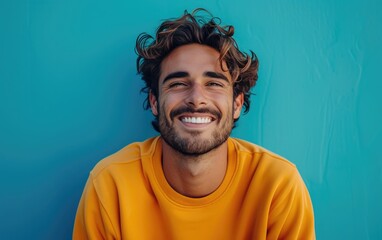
[(195, 176)]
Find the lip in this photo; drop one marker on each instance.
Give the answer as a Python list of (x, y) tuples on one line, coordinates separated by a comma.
[(196, 115)]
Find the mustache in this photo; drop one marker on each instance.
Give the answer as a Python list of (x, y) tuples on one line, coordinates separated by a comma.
[(187, 109)]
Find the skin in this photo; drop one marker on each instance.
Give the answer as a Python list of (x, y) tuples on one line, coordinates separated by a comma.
[(192, 79)]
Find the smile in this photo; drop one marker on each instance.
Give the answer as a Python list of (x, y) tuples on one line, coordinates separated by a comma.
[(196, 120)]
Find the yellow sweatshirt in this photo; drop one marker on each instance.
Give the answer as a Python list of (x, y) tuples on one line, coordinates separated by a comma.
[(261, 197)]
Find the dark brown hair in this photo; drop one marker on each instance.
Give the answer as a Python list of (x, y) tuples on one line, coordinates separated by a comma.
[(195, 28)]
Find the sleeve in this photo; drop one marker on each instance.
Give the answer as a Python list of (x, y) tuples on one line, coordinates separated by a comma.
[(291, 214), (92, 220)]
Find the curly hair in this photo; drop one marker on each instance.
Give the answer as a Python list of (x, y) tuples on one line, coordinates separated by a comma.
[(194, 28)]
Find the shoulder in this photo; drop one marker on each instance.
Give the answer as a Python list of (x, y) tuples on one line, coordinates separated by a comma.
[(270, 173), (128, 156), (260, 155)]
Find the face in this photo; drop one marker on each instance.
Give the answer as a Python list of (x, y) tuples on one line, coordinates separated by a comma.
[(196, 108)]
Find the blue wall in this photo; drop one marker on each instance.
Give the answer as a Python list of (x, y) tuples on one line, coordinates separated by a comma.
[(69, 96)]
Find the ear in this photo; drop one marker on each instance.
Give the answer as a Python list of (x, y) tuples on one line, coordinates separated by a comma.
[(153, 103), (237, 105)]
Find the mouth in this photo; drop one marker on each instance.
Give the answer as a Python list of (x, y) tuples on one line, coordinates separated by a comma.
[(196, 120)]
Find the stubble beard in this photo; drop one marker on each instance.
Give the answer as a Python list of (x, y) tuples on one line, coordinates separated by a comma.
[(193, 144)]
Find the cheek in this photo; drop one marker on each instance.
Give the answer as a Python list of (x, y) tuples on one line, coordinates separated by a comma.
[(167, 103), (223, 102)]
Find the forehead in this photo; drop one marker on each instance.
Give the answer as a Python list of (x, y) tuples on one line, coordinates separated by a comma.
[(194, 59)]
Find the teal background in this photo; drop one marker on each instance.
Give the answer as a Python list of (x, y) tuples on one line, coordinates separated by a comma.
[(69, 96)]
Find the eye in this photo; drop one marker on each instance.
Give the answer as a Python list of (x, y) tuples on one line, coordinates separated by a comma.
[(215, 84), (177, 84)]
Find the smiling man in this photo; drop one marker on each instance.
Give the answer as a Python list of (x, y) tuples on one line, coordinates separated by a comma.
[(194, 181)]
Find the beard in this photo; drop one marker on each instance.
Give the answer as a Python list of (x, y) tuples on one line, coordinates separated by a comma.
[(192, 143)]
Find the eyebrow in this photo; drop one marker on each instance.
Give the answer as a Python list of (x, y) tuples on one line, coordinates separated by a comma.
[(181, 74), (216, 75), (176, 75)]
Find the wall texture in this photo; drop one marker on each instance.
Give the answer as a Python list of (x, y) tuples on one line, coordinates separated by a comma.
[(69, 96)]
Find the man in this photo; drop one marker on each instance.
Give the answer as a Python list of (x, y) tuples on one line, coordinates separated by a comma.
[(194, 181)]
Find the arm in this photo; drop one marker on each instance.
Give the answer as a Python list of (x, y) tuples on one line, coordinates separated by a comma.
[(291, 214), (92, 220)]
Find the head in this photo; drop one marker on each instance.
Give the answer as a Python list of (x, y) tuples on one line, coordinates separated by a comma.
[(197, 30)]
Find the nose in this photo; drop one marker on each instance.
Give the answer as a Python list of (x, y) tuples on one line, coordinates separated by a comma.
[(196, 96)]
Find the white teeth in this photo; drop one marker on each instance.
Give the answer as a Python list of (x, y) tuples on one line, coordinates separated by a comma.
[(196, 119)]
